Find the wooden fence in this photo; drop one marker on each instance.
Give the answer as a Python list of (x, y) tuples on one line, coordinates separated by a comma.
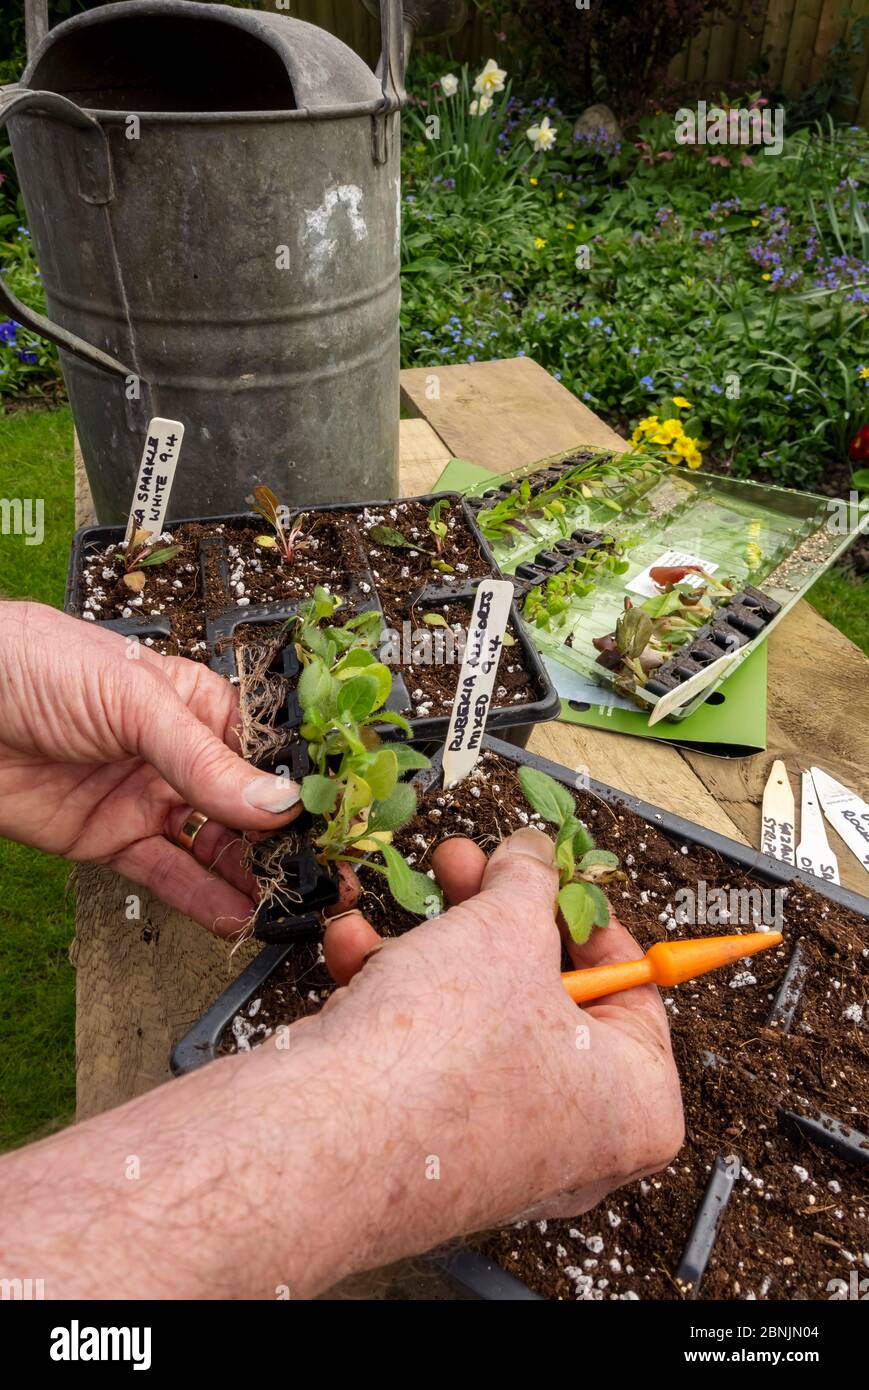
[(793, 36)]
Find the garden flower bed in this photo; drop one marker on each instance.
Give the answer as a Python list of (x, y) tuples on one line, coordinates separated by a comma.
[(767, 1198)]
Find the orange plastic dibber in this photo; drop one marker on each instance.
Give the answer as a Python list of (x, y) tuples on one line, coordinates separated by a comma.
[(666, 963)]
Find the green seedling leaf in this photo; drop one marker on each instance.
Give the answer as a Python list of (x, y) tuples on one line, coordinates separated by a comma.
[(435, 620), (388, 536), (382, 774), (319, 794), (578, 911), (315, 689), (413, 891), (633, 630), (159, 557), (353, 661), (387, 716), (549, 798), (443, 567), (603, 857), (582, 840), (357, 698), (395, 811), (409, 759), (599, 904)]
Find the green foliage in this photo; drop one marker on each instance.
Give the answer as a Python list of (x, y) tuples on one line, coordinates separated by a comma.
[(544, 606), (636, 269), (581, 866), (355, 791)]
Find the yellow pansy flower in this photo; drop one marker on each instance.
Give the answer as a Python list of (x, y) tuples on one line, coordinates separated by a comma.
[(681, 402), (539, 242), (533, 182), (864, 373), (755, 221), (766, 276)]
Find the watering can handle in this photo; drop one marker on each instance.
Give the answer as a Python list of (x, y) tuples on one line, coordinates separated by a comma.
[(95, 186), (35, 24), (391, 68)]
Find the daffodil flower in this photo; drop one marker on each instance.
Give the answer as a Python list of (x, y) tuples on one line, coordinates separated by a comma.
[(480, 105), (449, 84), (542, 136), (491, 79)]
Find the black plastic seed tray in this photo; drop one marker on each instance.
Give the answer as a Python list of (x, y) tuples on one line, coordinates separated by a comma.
[(735, 624), (514, 721), (476, 1276), (820, 1129)]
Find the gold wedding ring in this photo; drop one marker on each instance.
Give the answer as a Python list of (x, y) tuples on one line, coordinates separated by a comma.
[(190, 829)]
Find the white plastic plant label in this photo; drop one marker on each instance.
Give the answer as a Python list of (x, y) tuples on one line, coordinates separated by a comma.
[(156, 476), (814, 855), (847, 812), (778, 816), (644, 584), (477, 679)]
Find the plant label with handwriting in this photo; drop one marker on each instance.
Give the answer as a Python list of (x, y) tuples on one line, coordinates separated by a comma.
[(156, 476), (473, 700), (778, 816), (847, 812), (814, 855)]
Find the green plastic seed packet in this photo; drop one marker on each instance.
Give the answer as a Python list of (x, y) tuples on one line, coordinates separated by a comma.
[(732, 723)]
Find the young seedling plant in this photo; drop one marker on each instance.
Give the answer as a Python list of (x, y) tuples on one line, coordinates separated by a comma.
[(287, 535), (392, 539), (545, 605), (646, 636), (140, 555), (517, 514), (355, 792), (581, 865)]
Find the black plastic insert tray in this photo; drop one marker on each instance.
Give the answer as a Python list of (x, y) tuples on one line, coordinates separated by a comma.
[(470, 1271), (514, 720)]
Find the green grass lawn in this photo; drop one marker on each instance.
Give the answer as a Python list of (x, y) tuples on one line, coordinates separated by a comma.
[(37, 985), (37, 995)]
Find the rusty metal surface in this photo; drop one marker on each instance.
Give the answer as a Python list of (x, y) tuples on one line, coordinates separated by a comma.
[(214, 199)]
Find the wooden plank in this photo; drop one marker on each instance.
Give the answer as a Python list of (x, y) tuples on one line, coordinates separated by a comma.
[(749, 42), (831, 27), (801, 45), (776, 33), (817, 688), (503, 414), (719, 59), (653, 771), (424, 456)]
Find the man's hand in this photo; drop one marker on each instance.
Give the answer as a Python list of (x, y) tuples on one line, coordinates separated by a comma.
[(313, 1157), (106, 746), (542, 1107)]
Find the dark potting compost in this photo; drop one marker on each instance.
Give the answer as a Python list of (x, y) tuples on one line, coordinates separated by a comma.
[(767, 1198), (223, 578)]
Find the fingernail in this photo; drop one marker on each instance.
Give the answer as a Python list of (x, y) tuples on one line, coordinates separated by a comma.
[(268, 793), (533, 843)]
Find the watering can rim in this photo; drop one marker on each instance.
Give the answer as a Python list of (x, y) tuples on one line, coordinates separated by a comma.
[(257, 22)]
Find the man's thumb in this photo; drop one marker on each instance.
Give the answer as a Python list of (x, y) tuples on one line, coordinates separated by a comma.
[(523, 866), (208, 775)]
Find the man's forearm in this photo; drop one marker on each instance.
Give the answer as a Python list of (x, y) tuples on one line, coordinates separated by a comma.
[(258, 1177)]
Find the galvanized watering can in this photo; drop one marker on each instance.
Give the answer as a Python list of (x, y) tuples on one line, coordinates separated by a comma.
[(214, 199)]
